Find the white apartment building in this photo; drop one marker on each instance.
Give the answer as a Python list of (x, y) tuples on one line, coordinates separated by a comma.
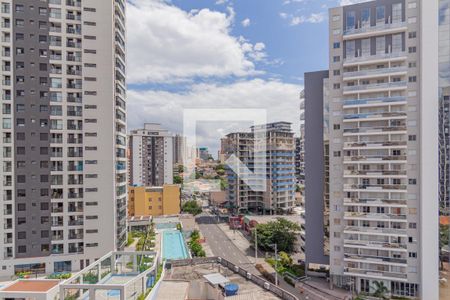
[(383, 118), (150, 156), (63, 163)]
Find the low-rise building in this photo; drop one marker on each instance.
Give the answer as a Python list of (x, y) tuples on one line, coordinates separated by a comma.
[(154, 201)]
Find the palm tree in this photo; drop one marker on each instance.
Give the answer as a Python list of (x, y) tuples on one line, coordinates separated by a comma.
[(380, 289)]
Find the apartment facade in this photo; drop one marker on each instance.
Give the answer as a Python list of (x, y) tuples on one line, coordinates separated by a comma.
[(154, 201), (444, 106), (383, 155), (64, 133), (150, 152), (179, 149), (275, 161)]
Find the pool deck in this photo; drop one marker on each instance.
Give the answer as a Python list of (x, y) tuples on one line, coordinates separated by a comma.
[(186, 248)]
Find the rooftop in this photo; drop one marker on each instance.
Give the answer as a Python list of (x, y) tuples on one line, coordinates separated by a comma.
[(31, 285)]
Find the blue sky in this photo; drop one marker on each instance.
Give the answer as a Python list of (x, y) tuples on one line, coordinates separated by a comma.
[(222, 54)]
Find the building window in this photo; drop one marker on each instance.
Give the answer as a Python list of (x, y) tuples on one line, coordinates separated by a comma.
[(350, 49), (336, 72), (412, 35), (381, 15), (412, 79), (381, 45), (412, 49), (337, 153), (412, 181), (336, 86), (336, 45), (397, 15), (336, 58), (22, 249), (365, 47), (351, 20)]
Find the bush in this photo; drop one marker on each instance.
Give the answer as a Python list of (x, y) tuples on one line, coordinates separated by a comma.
[(191, 207)]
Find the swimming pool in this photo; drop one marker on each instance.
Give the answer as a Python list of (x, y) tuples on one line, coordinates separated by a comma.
[(173, 245)]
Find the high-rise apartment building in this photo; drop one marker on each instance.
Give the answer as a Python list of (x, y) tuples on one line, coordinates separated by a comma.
[(64, 132), (179, 149), (444, 106), (275, 161), (150, 151), (383, 147)]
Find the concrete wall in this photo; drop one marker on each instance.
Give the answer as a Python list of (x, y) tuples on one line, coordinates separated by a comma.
[(314, 167)]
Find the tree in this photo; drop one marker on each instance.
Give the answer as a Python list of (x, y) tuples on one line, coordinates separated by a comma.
[(191, 207), (281, 232), (177, 179), (444, 235), (285, 259), (380, 289)]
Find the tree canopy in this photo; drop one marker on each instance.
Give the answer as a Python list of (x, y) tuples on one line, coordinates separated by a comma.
[(191, 207), (281, 232)]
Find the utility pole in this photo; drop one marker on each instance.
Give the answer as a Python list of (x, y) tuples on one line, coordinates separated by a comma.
[(276, 263), (256, 246)]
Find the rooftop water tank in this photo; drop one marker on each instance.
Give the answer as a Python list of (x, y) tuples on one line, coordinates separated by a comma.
[(231, 289)]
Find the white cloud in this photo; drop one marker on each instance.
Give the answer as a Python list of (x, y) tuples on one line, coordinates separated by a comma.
[(219, 2), (246, 22), (312, 18), (165, 107), (167, 44), (349, 2)]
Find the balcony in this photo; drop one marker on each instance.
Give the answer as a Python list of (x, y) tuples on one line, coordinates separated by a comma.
[(375, 244), (373, 173), (377, 145), (374, 101), (374, 87), (378, 29), (375, 115), (369, 59), (374, 216), (375, 230), (376, 274), (375, 202), (374, 73), (375, 158), (374, 259), (379, 187), (76, 222), (372, 130)]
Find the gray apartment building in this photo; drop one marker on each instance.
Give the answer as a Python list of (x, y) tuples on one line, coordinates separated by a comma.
[(382, 105), (275, 161), (64, 130), (150, 156), (444, 106)]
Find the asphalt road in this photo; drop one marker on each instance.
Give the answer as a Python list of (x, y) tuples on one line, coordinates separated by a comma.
[(221, 245)]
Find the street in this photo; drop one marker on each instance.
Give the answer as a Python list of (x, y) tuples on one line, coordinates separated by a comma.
[(221, 245)]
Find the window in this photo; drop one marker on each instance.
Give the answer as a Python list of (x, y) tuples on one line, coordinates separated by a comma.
[(21, 235), (412, 49), (412, 225), (22, 249), (365, 17), (412, 138), (397, 13), (397, 43), (412, 20), (412, 5), (412, 254), (412, 79), (336, 126), (336, 58), (381, 16), (351, 20), (336, 72), (350, 49), (412, 181), (365, 47), (381, 45), (21, 207), (21, 220), (412, 35), (336, 45), (336, 86), (337, 153)]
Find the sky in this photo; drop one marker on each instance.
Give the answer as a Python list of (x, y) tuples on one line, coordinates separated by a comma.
[(252, 54)]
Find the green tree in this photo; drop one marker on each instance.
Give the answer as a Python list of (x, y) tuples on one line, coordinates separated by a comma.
[(285, 259), (191, 207), (380, 289), (281, 232), (177, 179), (444, 235), (181, 168)]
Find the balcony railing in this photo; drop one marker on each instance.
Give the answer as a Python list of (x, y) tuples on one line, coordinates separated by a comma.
[(374, 216), (371, 72), (375, 144), (375, 129), (379, 56), (376, 28), (375, 115), (376, 273), (374, 187), (373, 101), (375, 86)]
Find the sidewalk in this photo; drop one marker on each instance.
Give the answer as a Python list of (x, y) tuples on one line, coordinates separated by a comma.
[(313, 289), (243, 244)]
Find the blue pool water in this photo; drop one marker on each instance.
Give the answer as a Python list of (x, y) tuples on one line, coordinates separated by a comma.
[(173, 245)]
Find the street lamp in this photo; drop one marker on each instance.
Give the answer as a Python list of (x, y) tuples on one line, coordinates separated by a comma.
[(256, 245), (276, 262)]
